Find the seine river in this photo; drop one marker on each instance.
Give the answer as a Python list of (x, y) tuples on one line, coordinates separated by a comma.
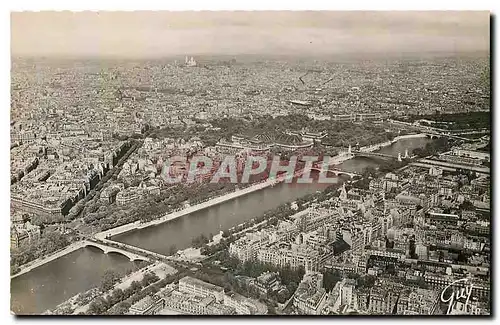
[(47, 286)]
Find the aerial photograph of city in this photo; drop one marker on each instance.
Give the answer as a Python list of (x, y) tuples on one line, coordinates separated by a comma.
[(279, 163)]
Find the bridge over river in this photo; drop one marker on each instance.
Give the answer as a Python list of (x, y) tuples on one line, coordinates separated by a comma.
[(113, 249), (336, 172), (371, 154), (372, 151), (81, 244), (122, 246), (451, 166), (380, 155)]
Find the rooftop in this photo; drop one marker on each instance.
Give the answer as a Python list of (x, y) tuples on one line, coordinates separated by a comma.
[(197, 282)]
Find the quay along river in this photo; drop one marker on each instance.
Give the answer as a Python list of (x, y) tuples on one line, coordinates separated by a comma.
[(50, 284)]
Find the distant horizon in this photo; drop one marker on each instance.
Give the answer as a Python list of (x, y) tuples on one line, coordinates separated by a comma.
[(162, 34), (256, 56)]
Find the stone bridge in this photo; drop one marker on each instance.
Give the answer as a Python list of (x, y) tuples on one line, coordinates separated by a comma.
[(102, 237), (433, 135), (337, 172), (431, 162), (78, 245), (369, 151), (110, 249), (373, 147), (381, 155), (453, 135)]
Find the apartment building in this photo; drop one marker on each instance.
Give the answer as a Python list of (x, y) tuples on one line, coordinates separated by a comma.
[(200, 288)]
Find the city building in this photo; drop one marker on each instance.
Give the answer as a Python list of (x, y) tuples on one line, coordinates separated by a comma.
[(200, 288), (310, 296), (149, 305), (23, 234), (244, 305)]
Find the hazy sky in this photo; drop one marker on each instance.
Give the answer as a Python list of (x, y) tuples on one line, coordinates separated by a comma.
[(151, 34)]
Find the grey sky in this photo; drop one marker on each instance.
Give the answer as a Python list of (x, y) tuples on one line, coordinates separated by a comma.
[(150, 34)]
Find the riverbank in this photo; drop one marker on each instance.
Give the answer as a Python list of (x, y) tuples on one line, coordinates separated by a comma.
[(177, 214), (82, 267), (230, 196), (80, 303), (410, 136), (137, 225), (46, 259), (161, 270), (378, 146)]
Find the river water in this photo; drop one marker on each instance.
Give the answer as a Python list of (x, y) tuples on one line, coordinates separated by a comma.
[(48, 285)]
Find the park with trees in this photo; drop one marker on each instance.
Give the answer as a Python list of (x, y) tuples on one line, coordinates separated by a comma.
[(49, 243), (454, 121)]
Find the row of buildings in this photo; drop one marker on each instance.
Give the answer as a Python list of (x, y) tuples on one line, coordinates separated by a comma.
[(385, 298), (61, 173), (195, 297), (406, 226)]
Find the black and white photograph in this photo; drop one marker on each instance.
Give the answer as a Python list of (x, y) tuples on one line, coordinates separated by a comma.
[(241, 163)]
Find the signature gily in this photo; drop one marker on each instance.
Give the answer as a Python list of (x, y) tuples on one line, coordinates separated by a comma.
[(464, 292)]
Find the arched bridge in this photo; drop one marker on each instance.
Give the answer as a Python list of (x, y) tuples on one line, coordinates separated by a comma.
[(110, 249), (457, 136)]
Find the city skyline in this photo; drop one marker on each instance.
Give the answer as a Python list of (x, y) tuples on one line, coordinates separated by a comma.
[(277, 163)]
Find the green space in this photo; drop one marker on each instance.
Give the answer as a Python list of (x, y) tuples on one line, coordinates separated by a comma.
[(456, 121), (340, 134)]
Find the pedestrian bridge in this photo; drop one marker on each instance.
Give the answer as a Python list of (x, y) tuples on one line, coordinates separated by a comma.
[(110, 249)]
